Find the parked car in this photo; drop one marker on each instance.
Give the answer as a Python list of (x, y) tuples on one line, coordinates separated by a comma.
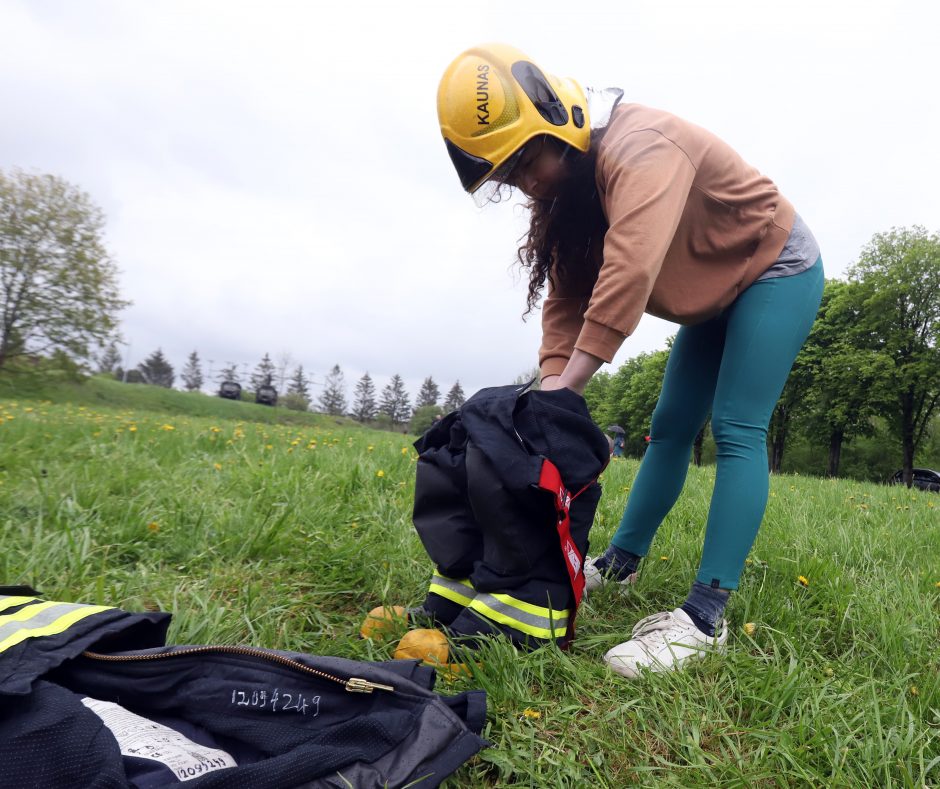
[(924, 478), (266, 395), (230, 390)]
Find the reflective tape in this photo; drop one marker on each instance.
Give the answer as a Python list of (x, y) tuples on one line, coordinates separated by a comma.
[(530, 619), (533, 620), (10, 601), (43, 619), (458, 591)]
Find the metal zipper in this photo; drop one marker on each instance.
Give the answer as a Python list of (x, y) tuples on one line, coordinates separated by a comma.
[(352, 685)]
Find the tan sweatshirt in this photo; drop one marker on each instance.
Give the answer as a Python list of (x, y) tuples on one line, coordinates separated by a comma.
[(691, 226)]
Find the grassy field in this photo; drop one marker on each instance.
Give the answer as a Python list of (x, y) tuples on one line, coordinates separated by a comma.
[(252, 530)]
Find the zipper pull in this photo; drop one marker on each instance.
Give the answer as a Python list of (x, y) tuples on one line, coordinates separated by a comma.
[(357, 685)]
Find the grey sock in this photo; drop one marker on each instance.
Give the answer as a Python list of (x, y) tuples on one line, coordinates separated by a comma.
[(617, 563), (705, 606)]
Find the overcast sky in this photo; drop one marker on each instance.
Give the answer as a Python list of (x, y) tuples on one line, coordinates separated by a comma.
[(274, 178)]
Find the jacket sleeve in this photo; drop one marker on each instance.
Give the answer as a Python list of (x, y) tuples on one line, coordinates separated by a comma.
[(646, 179), (562, 319)]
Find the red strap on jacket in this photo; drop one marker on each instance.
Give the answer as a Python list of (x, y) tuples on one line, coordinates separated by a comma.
[(550, 480)]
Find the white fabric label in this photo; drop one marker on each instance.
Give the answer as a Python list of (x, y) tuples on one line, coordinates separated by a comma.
[(146, 739)]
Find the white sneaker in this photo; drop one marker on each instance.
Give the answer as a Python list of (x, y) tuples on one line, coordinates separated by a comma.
[(663, 642), (595, 579)]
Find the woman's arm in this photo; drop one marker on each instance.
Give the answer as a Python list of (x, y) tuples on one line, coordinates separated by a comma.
[(581, 366)]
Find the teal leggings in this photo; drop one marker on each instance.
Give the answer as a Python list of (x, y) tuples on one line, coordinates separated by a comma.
[(734, 365)]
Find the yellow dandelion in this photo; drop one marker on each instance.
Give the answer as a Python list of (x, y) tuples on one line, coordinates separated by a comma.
[(749, 561), (380, 473), (802, 580), (153, 526), (664, 558), (269, 446), (531, 714), (168, 427), (368, 448), (217, 466), (28, 410), (749, 628), (914, 690), (133, 428), (828, 671), (938, 584), (404, 450)]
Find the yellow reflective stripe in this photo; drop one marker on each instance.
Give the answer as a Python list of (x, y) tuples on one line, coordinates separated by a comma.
[(9, 601), (449, 589), (54, 627), (28, 613), (539, 632), (536, 610)]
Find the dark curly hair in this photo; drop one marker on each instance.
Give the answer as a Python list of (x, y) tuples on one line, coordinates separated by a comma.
[(565, 241)]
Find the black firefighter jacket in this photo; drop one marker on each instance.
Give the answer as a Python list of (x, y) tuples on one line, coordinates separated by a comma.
[(90, 697)]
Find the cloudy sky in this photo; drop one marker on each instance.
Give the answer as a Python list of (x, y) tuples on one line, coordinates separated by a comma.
[(274, 178)]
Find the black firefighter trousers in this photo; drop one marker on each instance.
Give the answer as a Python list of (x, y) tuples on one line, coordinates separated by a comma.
[(489, 521)]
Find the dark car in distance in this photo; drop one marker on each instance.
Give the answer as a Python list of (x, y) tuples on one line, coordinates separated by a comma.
[(924, 478), (230, 390)]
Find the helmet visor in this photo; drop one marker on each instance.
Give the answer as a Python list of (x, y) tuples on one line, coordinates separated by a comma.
[(499, 186)]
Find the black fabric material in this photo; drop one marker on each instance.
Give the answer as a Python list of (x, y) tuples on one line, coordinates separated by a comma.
[(19, 591), (112, 629), (50, 739), (442, 513), (478, 509)]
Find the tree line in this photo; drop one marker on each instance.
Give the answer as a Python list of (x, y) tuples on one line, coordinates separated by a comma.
[(392, 407), (870, 369), (870, 366)]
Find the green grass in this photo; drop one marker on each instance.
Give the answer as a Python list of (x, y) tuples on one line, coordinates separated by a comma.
[(284, 535)]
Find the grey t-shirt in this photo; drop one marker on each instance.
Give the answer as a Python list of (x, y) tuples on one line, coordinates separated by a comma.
[(799, 253)]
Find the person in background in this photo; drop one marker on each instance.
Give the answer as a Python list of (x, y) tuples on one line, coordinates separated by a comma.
[(634, 210), (617, 438)]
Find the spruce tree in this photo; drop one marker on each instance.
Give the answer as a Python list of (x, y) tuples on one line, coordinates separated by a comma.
[(430, 393), (229, 373), (192, 373), (455, 398), (299, 384), (263, 374), (333, 399), (110, 360), (364, 406), (395, 401), (156, 370)]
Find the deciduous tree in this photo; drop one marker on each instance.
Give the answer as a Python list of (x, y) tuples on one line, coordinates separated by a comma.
[(898, 274), (58, 285)]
